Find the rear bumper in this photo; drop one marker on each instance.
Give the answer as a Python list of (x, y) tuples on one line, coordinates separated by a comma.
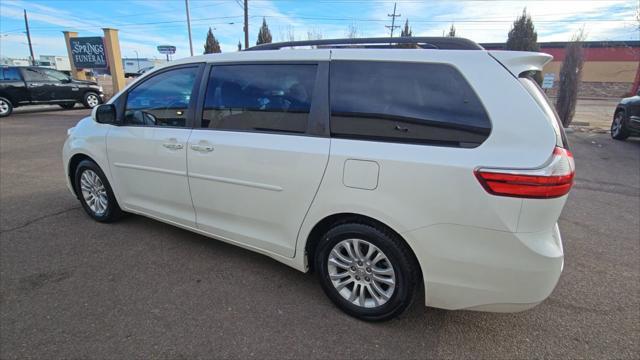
[(481, 269)]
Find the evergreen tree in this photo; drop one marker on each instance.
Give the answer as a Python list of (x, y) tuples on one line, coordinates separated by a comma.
[(211, 45), (452, 31), (570, 77), (264, 35), (406, 31), (523, 37)]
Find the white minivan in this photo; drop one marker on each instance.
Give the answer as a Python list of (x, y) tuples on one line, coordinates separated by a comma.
[(382, 169)]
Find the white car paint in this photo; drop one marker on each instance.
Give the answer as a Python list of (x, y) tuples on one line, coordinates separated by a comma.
[(266, 192)]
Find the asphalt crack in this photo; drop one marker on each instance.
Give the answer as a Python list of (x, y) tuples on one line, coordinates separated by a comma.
[(32, 221)]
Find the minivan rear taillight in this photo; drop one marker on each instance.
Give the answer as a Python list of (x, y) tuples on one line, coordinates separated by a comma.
[(552, 180)]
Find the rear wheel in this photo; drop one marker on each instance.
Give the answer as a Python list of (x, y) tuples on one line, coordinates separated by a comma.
[(366, 271), (91, 100), (618, 130), (6, 108), (67, 106), (94, 192)]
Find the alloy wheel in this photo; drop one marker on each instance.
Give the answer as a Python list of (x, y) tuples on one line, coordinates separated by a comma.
[(92, 100), (4, 107), (361, 273), (94, 192), (616, 126)]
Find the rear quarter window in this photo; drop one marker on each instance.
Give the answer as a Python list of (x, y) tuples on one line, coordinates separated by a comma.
[(420, 103)]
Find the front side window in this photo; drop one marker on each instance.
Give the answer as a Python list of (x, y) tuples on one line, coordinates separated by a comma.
[(35, 75), (272, 98), (53, 75), (162, 100), (419, 103)]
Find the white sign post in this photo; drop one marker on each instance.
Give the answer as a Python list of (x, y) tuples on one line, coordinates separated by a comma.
[(547, 81)]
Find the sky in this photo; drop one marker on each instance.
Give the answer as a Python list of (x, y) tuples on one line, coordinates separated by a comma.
[(145, 24)]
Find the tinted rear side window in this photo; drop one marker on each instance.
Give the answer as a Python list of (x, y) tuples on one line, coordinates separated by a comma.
[(405, 102), (270, 97), (10, 74)]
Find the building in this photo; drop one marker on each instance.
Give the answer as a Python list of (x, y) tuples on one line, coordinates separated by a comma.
[(611, 68), (60, 63), (134, 65), (14, 62)]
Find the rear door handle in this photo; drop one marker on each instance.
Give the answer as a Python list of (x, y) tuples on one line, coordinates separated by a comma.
[(173, 146), (202, 148)]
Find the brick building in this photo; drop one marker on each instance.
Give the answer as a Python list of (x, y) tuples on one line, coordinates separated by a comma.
[(611, 68)]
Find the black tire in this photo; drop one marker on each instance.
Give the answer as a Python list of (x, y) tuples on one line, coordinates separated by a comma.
[(6, 107), (618, 129), (112, 211), (67, 106), (88, 100), (400, 258)]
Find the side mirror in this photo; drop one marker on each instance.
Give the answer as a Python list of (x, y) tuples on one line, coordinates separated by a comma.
[(104, 114)]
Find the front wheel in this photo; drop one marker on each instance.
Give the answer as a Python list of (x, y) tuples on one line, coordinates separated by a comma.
[(6, 108), (91, 100), (366, 271), (94, 192), (618, 130)]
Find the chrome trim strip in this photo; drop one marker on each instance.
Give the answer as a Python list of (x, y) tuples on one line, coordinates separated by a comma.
[(151, 169), (236, 182)]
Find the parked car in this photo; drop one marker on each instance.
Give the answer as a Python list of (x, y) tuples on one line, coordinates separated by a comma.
[(382, 170), (626, 118), (32, 85)]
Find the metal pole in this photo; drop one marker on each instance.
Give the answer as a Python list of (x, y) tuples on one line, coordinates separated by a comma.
[(186, 4), (26, 24), (137, 59), (246, 24)]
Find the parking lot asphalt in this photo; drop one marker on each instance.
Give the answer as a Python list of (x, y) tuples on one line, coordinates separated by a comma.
[(74, 288)]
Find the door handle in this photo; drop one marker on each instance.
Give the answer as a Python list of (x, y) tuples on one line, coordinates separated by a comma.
[(202, 148), (173, 146)]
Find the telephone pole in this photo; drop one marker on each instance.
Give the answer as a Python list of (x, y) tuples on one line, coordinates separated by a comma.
[(246, 24), (186, 4), (393, 20), (26, 25)]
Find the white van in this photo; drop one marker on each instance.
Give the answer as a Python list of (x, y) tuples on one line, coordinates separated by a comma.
[(381, 169)]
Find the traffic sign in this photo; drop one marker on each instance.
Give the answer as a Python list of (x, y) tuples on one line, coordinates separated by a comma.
[(166, 49)]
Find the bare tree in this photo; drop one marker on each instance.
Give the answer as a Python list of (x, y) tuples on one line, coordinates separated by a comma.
[(352, 31), (291, 33), (314, 34), (570, 78), (452, 31)]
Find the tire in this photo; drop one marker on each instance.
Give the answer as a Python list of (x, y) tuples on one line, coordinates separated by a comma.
[(618, 130), (67, 106), (351, 276), (91, 100), (6, 108), (91, 183)]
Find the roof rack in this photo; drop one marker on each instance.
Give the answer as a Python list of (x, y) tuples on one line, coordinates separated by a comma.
[(443, 43)]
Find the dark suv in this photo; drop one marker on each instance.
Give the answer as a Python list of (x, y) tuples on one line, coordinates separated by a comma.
[(30, 85), (626, 118)]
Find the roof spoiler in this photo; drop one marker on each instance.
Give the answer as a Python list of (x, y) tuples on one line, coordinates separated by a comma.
[(518, 62)]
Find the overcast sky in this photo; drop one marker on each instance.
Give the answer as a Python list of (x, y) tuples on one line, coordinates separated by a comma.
[(144, 24)]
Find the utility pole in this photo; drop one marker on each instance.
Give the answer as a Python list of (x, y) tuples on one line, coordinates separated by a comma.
[(186, 4), (393, 20), (26, 25), (246, 24)]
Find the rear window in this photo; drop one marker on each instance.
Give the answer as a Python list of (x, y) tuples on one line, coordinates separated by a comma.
[(10, 74), (405, 102), (543, 101)]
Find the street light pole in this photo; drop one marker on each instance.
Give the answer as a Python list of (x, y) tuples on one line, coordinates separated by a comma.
[(137, 59), (186, 4)]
